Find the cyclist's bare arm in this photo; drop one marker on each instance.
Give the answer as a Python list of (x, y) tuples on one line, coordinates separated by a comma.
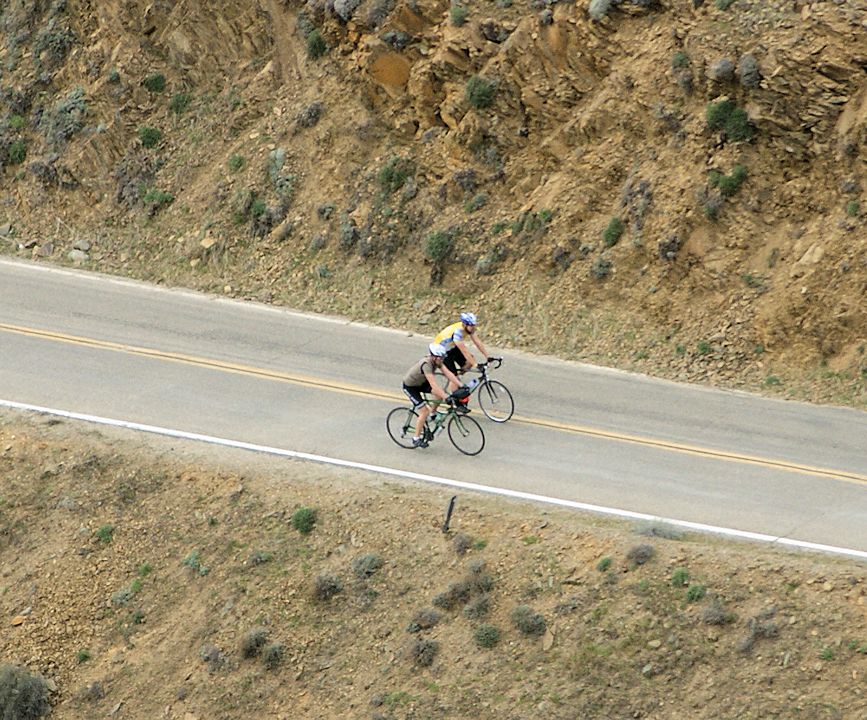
[(480, 346), (450, 376), (434, 385), (470, 360)]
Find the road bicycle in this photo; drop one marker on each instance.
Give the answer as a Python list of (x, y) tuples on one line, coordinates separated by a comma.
[(495, 400), (465, 433)]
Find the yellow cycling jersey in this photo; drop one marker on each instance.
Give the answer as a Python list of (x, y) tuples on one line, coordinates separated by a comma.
[(448, 336)]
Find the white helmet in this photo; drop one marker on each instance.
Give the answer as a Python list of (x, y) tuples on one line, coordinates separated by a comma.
[(468, 318), (436, 350)]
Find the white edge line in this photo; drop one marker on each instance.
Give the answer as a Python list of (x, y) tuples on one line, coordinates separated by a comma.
[(434, 479)]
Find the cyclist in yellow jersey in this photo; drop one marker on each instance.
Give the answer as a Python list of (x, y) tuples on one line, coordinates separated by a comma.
[(458, 357)]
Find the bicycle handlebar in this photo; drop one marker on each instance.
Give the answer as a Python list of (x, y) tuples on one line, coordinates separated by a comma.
[(492, 362)]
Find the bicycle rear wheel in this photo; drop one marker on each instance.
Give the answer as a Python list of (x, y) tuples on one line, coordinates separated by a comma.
[(466, 434), (496, 401), (400, 424)]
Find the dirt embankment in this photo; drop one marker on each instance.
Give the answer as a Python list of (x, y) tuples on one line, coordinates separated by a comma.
[(155, 579)]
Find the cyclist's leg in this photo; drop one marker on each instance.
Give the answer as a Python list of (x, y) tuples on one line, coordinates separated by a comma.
[(454, 361), (419, 405)]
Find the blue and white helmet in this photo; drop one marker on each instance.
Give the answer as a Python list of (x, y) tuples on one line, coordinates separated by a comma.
[(468, 318), (436, 350)]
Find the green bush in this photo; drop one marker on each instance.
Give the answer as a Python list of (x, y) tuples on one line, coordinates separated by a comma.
[(458, 15), (253, 641), (316, 46), (530, 223), (728, 184), (394, 174), (149, 136), (680, 577), (717, 114), (114, 76), (236, 162), (729, 118), (303, 520), (155, 82), (180, 102), (680, 60), (438, 245), (613, 232), (695, 593), (487, 636), (478, 202), (17, 152), (156, 199), (257, 208), (853, 208), (17, 123), (82, 655), (104, 534), (480, 92), (528, 621), (604, 564), (723, 4), (23, 696), (194, 562)]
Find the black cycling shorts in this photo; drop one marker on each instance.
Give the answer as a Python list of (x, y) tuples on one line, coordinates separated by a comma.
[(414, 394), (454, 360)]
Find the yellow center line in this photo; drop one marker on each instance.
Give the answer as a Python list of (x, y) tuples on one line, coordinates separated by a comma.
[(358, 390), (201, 362), (844, 475)]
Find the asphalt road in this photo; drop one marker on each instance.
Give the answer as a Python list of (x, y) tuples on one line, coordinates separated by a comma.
[(97, 345)]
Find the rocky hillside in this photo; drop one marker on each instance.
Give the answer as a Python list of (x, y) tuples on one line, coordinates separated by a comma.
[(674, 186)]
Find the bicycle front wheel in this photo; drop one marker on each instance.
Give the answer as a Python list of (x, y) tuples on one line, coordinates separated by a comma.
[(496, 401), (466, 434), (400, 424)]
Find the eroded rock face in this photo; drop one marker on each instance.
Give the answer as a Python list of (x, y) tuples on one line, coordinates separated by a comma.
[(584, 118)]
